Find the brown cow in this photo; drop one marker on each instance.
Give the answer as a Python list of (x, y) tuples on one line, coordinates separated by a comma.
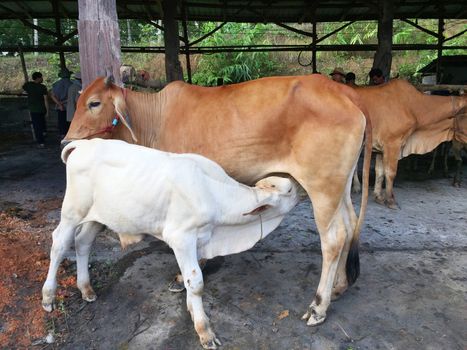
[(406, 121), (308, 127)]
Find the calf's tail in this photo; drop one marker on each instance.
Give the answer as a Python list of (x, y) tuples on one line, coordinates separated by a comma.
[(70, 147), (352, 267)]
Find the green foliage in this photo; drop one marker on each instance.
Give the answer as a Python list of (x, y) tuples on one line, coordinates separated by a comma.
[(233, 67)]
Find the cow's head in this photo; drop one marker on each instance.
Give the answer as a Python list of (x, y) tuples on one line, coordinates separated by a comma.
[(97, 107)]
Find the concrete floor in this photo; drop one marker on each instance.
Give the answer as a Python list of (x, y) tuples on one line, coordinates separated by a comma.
[(412, 292)]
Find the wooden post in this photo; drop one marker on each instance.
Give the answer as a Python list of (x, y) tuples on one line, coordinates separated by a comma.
[(383, 55), (99, 40), (173, 68), (313, 47), (187, 41), (440, 49), (23, 64), (58, 31)]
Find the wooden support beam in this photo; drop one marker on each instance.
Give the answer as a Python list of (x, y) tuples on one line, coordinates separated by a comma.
[(23, 64), (313, 48), (38, 28), (420, 27), (207, 34), (173, 68), (383, 55), (333, 32), (58, 30), (439, 49), (456, 35), (185, 35), (99, 40)]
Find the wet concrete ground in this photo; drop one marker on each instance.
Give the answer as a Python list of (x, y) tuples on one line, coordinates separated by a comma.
[(412, 292)]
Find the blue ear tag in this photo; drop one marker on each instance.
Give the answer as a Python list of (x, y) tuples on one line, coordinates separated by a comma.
[(115, 122)]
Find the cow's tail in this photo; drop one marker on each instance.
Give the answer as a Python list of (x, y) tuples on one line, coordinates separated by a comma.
[(352, 267), (66, 151)]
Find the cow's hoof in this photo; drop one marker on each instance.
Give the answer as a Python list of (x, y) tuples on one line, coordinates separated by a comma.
[(177, 285), (48, 306), (456, 184), (392, 205), (211, 344), (380, 200), (356, 189), (312, 317)]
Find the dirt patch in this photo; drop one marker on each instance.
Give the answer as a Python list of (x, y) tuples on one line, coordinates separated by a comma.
[(24, 243)]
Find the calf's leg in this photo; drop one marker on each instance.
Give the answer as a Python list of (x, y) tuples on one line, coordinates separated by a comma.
[(83, 242), (186, 255), (62, 238), (177, 286)]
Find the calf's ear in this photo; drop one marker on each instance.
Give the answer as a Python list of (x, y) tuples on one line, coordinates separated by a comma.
[(258, 210)]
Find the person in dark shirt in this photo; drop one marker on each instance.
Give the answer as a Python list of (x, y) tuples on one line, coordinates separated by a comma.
[(38, 105), (60, 97), (376, 76)]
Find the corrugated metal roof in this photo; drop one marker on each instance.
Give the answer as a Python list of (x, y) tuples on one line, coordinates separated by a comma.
[(292, 11)]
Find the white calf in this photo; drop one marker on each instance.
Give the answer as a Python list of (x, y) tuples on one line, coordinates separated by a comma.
[(185, 200)]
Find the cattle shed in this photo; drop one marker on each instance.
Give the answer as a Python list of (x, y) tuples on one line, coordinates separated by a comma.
[(173, 13)]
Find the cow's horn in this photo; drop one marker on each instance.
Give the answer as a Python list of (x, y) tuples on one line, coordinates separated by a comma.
[(108, 80)]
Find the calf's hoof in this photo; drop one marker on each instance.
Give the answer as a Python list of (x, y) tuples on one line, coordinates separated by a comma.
[(312, 317), (177, 285), (48, 305), (88, 294), (211, 344)]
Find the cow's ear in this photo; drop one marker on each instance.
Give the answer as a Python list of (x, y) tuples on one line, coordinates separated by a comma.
[(109, 80), (258, 210), (123, 115)]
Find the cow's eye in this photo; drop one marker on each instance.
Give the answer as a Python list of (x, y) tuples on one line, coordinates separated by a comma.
[(94, 104)]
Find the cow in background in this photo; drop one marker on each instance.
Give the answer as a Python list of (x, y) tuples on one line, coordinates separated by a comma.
[(307, 127), (406, 121)]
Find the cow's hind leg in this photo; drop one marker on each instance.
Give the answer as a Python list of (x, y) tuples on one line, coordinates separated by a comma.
[(62, 239), (342, 280), (83, 242), (186, 254), (331, 220)]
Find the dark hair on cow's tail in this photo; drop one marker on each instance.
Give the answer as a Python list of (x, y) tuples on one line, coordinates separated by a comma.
[(352, 266)]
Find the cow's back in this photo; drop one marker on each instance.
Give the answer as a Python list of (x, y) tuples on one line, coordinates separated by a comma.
[(251, 128)]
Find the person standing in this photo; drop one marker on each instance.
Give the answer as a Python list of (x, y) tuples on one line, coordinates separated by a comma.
[(350, 79), (338, 75), (73, 94), (60, 96), (38, 105), (376, 76)]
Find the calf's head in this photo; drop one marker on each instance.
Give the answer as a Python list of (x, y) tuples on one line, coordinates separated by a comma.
[(99, 110)]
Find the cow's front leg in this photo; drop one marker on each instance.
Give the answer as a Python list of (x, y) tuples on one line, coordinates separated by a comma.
[(83, 243), (177, 286), (62, 238), (390, 160), (379, 178), (186, 255)]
